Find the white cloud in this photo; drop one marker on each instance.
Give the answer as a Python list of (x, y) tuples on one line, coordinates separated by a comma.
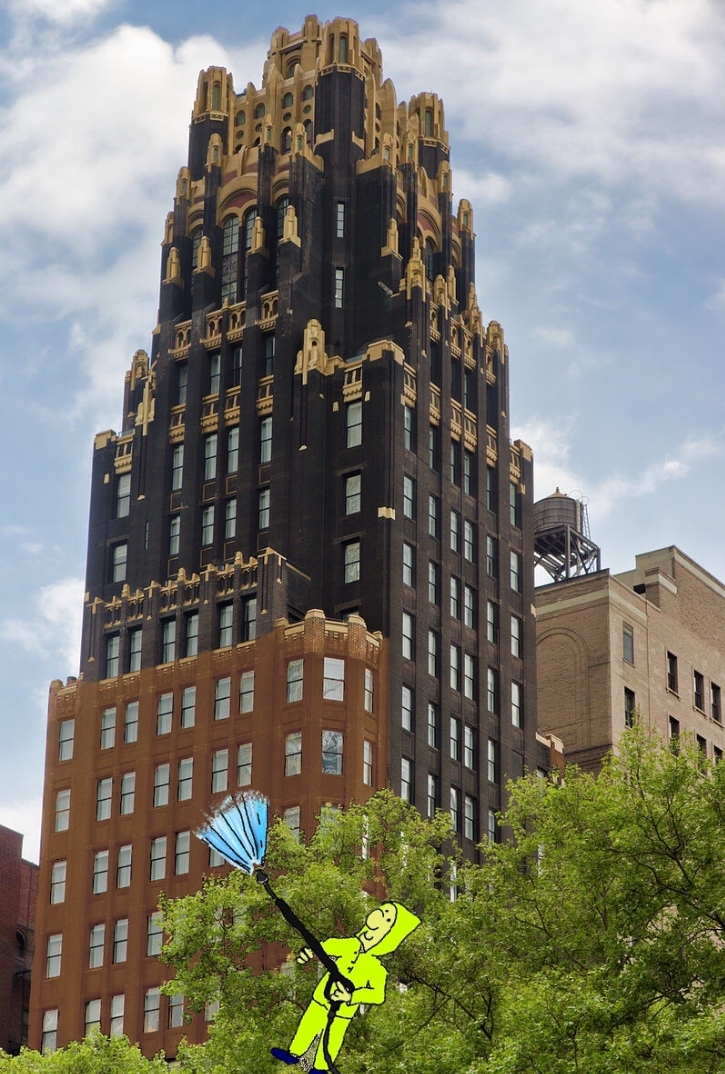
[(557, 337), (55, 627), (59, 11)]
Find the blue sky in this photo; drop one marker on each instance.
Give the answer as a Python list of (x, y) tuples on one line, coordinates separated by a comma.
[(590, 138)]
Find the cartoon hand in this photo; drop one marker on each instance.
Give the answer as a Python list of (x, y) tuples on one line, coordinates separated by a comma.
[(304, 956), (340, 994)]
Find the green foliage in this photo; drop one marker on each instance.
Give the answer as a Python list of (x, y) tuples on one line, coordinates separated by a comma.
[(592, 940), (94, 1055)]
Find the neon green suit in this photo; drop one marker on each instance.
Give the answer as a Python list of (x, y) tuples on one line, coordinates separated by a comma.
[(384, 930)]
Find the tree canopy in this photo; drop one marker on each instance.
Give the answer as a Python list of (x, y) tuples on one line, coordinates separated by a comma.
[(94, 1055)]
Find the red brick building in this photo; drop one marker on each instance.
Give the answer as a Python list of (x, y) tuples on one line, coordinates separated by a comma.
[(18, 896)]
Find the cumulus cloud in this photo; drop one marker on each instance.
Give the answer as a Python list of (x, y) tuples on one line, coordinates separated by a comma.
[(54, 626), (57, 11)]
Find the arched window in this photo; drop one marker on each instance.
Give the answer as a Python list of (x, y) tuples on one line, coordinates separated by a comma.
[(216, 97), (259, 111), (429, 122), (287, 140), (239, 121), (307, 93), (247, 233), (231, 235), (195, 244), (287, 100), (429, 260), (291, 67), (308, 131), (230, 247), (281, 208), (343, 48)]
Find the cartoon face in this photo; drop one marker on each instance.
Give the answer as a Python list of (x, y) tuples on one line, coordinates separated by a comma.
[(378, 923)]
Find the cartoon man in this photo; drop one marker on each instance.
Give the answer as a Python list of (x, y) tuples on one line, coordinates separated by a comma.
[(384, 930)]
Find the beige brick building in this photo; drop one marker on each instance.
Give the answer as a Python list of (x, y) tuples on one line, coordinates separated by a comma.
[(650, 639)]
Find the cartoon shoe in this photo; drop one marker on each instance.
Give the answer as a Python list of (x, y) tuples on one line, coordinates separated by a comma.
[(285, 1056)]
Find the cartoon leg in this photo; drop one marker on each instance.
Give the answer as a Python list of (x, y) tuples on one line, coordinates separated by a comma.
[(338, 1029), (312, 1023)]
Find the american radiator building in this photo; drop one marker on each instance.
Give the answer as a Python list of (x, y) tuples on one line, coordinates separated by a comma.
[(310, 553)]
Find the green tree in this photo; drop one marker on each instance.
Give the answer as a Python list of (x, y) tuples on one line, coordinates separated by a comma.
[(94, 1055), (591, 939)]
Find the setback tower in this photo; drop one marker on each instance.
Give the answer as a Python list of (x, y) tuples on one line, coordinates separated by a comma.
[(310, 553)]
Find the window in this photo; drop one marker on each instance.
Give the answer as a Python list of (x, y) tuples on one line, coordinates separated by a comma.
[(50, 1032), (128, 793), (432, 724), (408, 428), (120, 559), (433, 516), (469, 746), (188, 706), (151, 1007), (158, 858), (455, 531), (490, 493), (339, 287), (265, 440), (469, 676), (432, 794), (468, 486), (219, 771), (100, 872), (123, 495), (490, 556), (222, 698), (406, 779), (715, 709), (164, 714), (210, 456), (492, 690), (295, 671), (515, 574), (103, 796), (367, 763), (182, 850), (92, 1015), (135, 641), (433, 653), (113, 645), (226, 622), (120, 940), (455, 668), (184, 787), (233, 450), (672, 672), (53, 955), (108, 729), (269, 352), (161, 785), (207, 525), (408, 565), (244, 765), (351, 561), (124, 868), (191, 622), (168, 641), (154, 933), (408, 636), (333, 683), (291, 818), (627, 643), (698, 690), (406, 708), (230, 235), (293, 754), (176, 1011), (57, 882), (214, 373), (674, 733), (492, 761), (454, 809), (469, 545), (66, 734), (434, 453), (629, 706), (352, 494), (130, 728), (340, 220), (230, 520), (513, 504), (263, 509), (97, 943), (469, 817), (249, 619), (455, 464), (517, 705), (455, 603), (516, 636), (332, 753), (246, 691), (408, 497), (469, 607), (434, 572), (454, 738), (62, 811), (117, 1007), (177, 467), (369, 690)]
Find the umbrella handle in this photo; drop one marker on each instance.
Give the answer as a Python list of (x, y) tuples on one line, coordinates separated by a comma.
[(291, 918)]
